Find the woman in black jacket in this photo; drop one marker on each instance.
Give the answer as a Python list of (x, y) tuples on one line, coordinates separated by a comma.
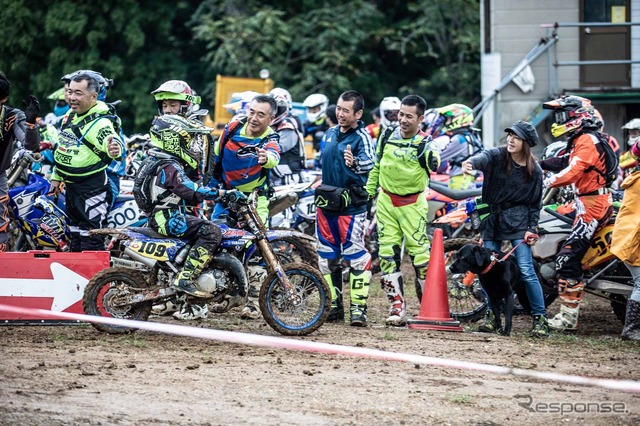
[(513, 190)]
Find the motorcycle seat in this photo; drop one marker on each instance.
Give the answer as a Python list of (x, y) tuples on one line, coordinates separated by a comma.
[(559, 216), (148, 232), (455, 194)]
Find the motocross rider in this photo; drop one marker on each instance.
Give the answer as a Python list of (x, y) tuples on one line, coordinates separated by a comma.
[(243, 157), (19, 126), (574, 116), (316, 124), (453, 133), (628, 160), (172, 166), (176, 97), (402, 207), (292, 154), (88, 142), (389, 109)]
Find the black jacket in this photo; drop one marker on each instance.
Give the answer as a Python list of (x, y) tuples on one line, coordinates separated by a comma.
[(514, 200), (13, 127)]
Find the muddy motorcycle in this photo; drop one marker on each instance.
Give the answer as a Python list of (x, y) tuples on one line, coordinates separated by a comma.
[(603, 274), (294, 297)]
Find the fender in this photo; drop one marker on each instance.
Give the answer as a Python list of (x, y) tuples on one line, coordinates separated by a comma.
[(273, 234)]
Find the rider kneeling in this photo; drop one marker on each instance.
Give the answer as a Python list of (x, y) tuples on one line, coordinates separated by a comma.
[(166, 190)]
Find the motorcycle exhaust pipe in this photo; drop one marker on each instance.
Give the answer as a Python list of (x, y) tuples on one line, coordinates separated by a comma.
[(138, 257)]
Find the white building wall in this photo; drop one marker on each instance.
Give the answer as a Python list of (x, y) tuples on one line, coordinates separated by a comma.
[(515, 30)]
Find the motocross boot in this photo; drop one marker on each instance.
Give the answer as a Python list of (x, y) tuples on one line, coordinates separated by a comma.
[(570, 293), (540, 327), (392, 285), (631, 330), (359, 281), (334, 279), (191, 311), (256, 275), (250, 310), (488, 324), (197, 260)]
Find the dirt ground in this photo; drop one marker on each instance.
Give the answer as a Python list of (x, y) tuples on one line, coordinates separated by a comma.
[(68, 375)]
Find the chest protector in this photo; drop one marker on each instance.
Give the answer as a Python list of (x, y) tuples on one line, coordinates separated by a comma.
[(148, 192)]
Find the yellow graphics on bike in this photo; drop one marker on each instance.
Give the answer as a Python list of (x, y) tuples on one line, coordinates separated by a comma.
[(157, 250), (599, 249)]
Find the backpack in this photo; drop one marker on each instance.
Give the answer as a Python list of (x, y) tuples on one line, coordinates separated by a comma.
[(143, 181), (611, 160), (384, 138)]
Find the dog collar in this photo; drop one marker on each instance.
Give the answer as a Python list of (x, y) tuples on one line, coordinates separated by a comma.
[(488, 268)]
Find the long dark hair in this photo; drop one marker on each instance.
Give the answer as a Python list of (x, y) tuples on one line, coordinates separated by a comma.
[(531, 160)]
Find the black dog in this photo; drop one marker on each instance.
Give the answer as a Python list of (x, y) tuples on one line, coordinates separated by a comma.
[(499, 279)]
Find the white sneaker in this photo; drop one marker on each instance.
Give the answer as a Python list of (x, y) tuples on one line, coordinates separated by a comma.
[(191, 312), (165, 308)]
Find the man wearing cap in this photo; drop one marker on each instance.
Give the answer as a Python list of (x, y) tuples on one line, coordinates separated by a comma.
[(513, 190)]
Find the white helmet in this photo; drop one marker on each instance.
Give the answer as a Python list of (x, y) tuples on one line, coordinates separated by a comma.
[(280, 92), (315, 100), (389, 108), (283, 104), (632, 125)]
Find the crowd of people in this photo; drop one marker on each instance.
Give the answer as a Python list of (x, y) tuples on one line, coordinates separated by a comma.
[(390, 159)]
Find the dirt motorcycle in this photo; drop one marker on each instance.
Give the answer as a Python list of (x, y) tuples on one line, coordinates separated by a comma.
[(294, 297), (292, 206), (38, 217), (603, 274)]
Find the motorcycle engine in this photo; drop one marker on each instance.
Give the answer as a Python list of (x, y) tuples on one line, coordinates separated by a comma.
[(213, 281)]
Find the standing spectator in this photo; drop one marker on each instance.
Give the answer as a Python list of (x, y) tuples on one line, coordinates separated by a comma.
[(513, 190), (246, 151), (88, 142), (401, 170), (574, 116), (624, 244), (15, 126), (340, 225)]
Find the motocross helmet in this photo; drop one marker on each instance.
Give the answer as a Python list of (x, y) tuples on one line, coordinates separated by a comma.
[(177, 90), (179, 136), (315, 100), (61, 106), (283, 103), (571, 114), (430, 116), (103, 83), (389, 109), (452, 117), (633, 127), (555, 149)]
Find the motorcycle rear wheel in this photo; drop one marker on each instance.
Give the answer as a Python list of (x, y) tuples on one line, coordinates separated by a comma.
[(104, 288), (309, 308)]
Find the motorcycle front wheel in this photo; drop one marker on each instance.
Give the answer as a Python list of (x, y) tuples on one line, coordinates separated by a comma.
[(467, 300), (300, 312), (106, 288)]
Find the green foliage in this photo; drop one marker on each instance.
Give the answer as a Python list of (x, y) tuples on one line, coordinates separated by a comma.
[(380, 48)]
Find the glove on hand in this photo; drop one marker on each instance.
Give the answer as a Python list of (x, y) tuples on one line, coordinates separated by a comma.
[(31, 108)]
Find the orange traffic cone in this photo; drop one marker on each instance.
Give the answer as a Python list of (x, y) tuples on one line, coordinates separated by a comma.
[(434, 309)]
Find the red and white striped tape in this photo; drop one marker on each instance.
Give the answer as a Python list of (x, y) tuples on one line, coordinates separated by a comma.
[(328, 348)]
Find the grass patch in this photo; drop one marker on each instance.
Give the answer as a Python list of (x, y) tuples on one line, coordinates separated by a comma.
[(460, 398), (134, 341), (388, 336)]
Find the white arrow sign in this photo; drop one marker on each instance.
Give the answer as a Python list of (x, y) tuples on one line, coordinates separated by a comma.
[(66, 287)]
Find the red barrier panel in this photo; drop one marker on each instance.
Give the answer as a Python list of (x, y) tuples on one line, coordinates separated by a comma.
[(47, 280)]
